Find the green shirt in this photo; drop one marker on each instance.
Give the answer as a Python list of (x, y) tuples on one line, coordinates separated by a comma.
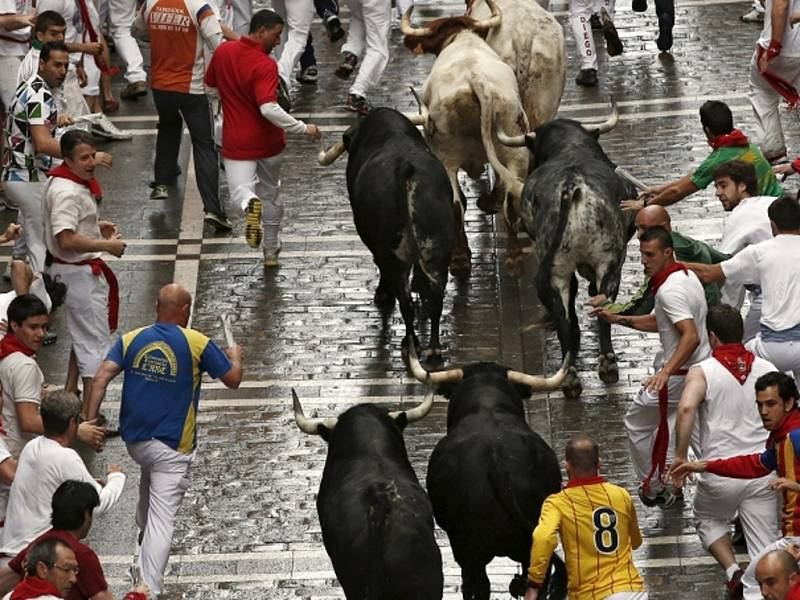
[(686, 250), (767, 182)]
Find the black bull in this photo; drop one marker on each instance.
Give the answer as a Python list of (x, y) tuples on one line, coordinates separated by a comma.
[(489, 476), (571, 210), (402, 205), (376, 519)]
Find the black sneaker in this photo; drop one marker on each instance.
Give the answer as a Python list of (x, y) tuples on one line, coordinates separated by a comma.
[(358, 104), (665, 23), (594, 21), (639, 5), (221, 222), (333, 26), (735, 587), (613, 43), (308, 75), (49, 338), (284, 99), (345, 69), (587, 78), (663, 499)]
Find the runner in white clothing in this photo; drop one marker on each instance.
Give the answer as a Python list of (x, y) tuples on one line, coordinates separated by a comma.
[(45, 463), (720, 397), (297, 15), (16, 17), (775, 266), (748, 223), (777, 52), (679, 318)]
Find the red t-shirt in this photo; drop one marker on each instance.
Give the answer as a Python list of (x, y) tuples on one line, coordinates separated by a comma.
[(91, 580), (246, 78)]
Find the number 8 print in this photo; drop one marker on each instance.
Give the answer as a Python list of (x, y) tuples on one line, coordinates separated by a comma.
[(606, 538)]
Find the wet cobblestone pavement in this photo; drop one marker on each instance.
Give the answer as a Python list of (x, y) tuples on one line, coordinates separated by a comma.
[(248, 527)]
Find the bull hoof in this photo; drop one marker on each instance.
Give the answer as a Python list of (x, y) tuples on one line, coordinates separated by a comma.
[(607, 368), (432, 357), (514, 264), (572, 387), (384, 299), (460, 267), (486, 202), (406, 345)]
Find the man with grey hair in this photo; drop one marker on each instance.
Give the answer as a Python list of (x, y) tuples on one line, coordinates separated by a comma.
[(52, 570), (776, 573), (45, 463)]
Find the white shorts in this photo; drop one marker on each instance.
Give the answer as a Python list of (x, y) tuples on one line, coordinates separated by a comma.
[(718, 499), (86, 308)]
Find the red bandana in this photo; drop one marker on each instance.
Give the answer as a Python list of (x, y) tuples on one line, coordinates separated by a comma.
[(33, 587), (657, 280), (734, 138), (93, 37), (64, 172), (736, 359), (11, 344), (784, 87), (790, 423)]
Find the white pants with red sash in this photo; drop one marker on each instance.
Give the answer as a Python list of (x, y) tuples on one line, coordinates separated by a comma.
[(86, 308)]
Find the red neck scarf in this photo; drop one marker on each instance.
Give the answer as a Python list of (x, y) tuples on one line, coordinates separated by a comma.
[(736, 359), (93, 37), (657, 280), (64, 172), (33, 587), (790, 423), (734, 138), (578, 481), (11, 344)]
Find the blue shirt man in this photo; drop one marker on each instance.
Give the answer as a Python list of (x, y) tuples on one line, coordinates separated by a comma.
[(163, 364)]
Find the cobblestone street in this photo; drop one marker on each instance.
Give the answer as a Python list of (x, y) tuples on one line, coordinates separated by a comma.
[(248, 528)]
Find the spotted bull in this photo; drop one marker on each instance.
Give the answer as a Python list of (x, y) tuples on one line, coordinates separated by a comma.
[(570, 208), (376, 519), (468, 89), (402, 207), (489, 476), (531, 42)]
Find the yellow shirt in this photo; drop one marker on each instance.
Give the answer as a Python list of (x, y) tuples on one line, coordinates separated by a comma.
[(598, 528)]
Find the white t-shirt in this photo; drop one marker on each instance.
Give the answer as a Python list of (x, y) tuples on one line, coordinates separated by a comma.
[(729, 423), (791, 36), (37, 288), (44, 465), (775, 266), (72, 15), (68, 205), (22, 381), (29, 65), (679, 298), (7, 47)]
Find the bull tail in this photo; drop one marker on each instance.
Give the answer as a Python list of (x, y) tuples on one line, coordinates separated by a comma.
[(510, 181), (500, 480), (378, 499)]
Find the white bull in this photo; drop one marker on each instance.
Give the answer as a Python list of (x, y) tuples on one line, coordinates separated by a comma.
[(531, 42), (468, 89)]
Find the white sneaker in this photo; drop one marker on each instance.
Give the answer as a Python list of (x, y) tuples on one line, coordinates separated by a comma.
[(103, 127), (753, 16)]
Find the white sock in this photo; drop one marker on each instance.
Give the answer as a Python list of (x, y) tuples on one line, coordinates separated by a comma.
[(731, 570)]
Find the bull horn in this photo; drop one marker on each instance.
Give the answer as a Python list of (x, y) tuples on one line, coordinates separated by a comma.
[(422, 409), (609, 123), (494, 20), (326, 157), (415, 119), (508, 140), (537, 383), (422, 117), (437, 377), (407, 29), (306, 425)]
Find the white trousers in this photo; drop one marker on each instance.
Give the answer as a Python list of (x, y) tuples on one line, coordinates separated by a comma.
[(368, 35), (71, 100), (641, 423), (120, 15), (297, 15), (163, 483), (752, 591), (9, 67), (765, 101), (259, 179), (86, 308), (717, 501), (27, 198), (580, 11), (784, 355)]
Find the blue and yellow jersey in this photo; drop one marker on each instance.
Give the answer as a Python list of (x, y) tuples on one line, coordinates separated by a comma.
[(163, 364), (597, 524)]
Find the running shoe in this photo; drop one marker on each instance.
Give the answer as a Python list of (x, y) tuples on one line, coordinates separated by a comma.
[(665, 23), (134, 91), (358, 104), (594, 21), (160, 192), (221, 222), (345, 69), (587, 78), (735, 587), (333, 26), (613, 43), (308, 75), (271, 258), (253, 232), (639, 5), (103, 127), (663, 499), (753, 16)]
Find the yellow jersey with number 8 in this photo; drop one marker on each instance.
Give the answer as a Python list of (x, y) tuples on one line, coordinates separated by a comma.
[(599, 531)]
